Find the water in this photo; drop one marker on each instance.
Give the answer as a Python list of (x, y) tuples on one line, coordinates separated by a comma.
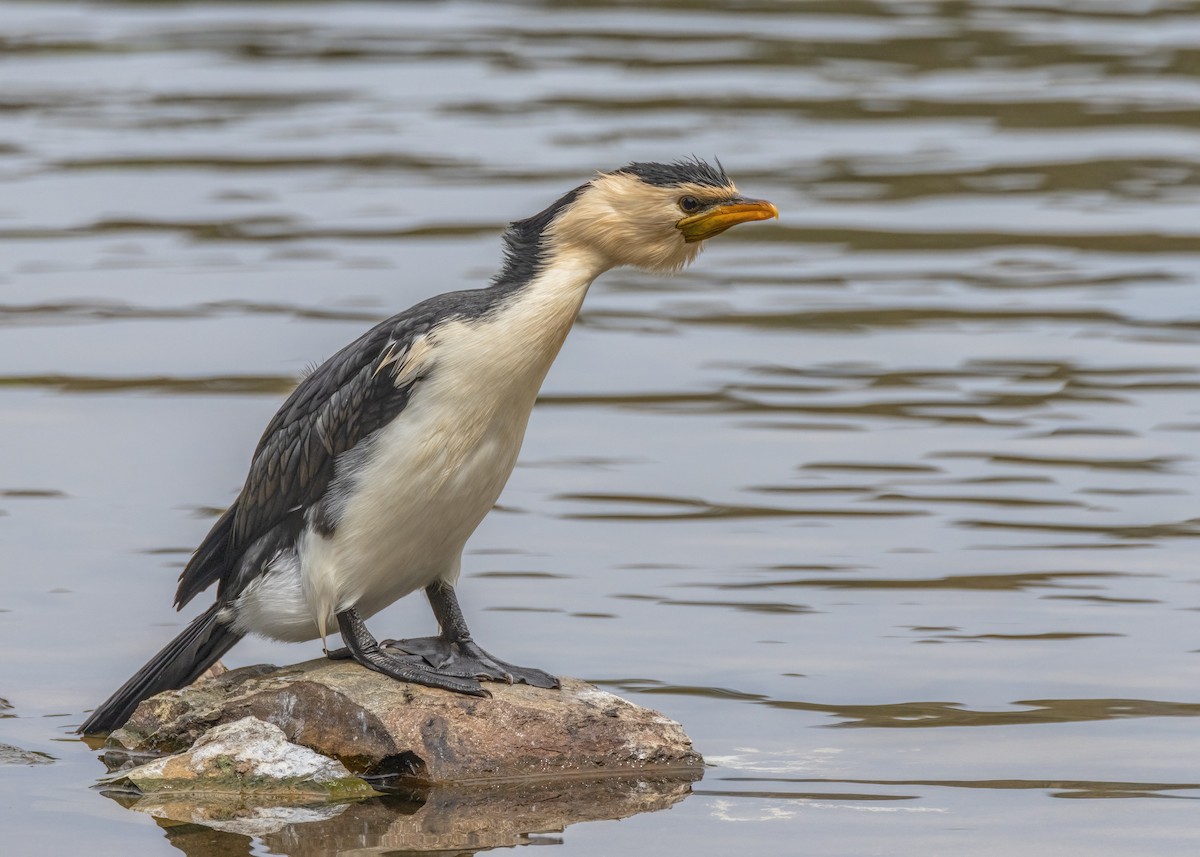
[(893, 504)]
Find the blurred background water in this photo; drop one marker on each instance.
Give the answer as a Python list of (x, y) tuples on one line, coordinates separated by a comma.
[(917, 462)]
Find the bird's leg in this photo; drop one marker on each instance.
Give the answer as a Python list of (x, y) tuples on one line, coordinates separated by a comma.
[(454, 652), (365, 649)]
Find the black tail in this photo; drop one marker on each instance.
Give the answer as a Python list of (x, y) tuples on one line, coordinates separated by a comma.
[(179, 664)]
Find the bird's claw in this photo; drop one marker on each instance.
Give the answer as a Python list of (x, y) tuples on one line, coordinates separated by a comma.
[(464, 658)]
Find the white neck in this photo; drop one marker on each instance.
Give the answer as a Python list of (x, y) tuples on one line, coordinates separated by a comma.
[(543, 310), (511, 346)]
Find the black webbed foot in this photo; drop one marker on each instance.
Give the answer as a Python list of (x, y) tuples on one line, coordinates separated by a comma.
[(454, 653), (466, 658), (364, 648)]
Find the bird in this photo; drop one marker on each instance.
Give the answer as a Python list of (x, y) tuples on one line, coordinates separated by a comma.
[(367, 483)]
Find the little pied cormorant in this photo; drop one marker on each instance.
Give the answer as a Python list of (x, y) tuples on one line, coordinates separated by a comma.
[(370, 479)]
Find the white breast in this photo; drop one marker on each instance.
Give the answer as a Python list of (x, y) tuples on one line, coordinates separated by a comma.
[(438, 468)]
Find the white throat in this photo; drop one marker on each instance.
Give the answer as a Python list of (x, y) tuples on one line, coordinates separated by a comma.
[(540, 314)]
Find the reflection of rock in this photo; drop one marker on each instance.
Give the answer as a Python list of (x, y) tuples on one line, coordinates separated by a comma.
[(378, 726), (241, 758), (460, 819), (245, 816)]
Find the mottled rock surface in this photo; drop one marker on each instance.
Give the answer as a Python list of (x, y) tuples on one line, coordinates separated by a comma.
[(245, 757), (10, 755), (380, 727)]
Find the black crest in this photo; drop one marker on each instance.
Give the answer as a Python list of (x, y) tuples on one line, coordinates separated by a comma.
[(688, 171)]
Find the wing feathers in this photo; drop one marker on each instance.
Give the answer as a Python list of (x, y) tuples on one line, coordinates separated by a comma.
[(336, 406)]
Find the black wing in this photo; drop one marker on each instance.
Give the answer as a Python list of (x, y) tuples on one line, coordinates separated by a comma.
[(343, 401)]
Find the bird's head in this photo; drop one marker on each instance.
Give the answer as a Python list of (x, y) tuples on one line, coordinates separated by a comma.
[(652, 216)]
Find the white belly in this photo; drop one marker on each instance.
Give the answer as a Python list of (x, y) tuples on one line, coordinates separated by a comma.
[(423, 493), (432, 475), (431, 481)]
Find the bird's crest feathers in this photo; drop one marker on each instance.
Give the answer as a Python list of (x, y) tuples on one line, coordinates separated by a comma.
[(691, 170)]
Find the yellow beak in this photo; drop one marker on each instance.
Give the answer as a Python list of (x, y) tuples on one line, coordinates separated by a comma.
[(715, 220)]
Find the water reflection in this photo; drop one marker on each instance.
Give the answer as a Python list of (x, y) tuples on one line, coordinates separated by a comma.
[(1055, 788), (463, 819), (939, 714), (1018, 581)]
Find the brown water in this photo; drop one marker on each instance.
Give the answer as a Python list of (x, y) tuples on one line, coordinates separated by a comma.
[(893, 504)]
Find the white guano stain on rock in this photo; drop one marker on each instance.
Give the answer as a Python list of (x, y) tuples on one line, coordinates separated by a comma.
[(262, 750), (246, 755)]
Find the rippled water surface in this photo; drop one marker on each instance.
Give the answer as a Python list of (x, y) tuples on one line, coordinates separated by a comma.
[(894, 504)]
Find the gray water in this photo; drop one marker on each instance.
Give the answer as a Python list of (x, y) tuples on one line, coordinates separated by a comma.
[(893, 504)]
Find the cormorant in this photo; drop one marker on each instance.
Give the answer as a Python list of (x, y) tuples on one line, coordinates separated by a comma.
[(370, 479)]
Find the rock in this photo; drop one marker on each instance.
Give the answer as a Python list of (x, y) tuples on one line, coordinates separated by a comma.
[(377, 726), (246, 757), (10, 755), (463, 773)]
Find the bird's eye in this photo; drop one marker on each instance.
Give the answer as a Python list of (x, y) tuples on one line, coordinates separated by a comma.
[(689, 204)]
